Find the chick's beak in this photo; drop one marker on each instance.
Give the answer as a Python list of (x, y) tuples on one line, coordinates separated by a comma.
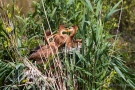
[(67, 30), (53, 34)]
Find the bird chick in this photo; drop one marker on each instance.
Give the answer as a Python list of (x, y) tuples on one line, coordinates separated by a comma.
[(60, 38), (41, 53), (71, 42)]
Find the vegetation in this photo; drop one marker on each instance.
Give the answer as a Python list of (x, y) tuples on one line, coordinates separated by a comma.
[(100, 64)]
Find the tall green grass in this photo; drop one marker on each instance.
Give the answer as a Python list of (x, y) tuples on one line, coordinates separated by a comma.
[(98, 66)]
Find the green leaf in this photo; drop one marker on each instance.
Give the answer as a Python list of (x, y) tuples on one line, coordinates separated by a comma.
[(110, 14), (131, 83), (74, 16), (88, 4), (20, 18), (80, 56), (83, 70), (19, 65), (53, 12), (70, 2), (113, 10), (19, 43), (119, 72), (98, 8)]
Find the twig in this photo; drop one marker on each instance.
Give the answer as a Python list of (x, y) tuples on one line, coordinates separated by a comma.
[(117, 31), (46, 17), (119, 21)]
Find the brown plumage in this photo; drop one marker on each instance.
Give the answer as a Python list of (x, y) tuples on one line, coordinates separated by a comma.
[(43, 52), (61, 38), (48, 37), (77, 43), (71, 42), (35, 49)]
